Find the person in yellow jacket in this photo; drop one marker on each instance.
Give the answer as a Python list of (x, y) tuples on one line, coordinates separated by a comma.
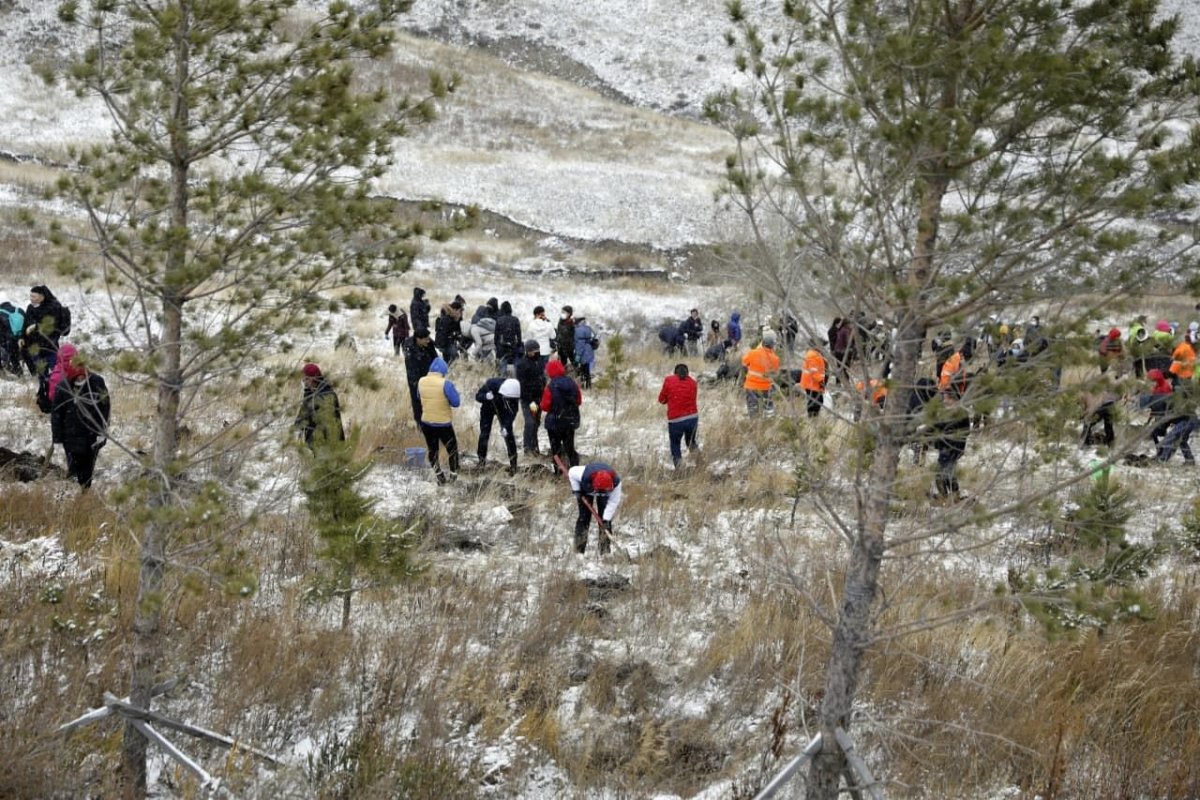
[(1183, 360), (761, 365), (812, 380), (439, 398)]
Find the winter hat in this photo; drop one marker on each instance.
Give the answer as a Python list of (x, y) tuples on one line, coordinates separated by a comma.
[(421, 333), (510, 388), (769, 339), (392, 308), (602, 481), (1114, 334), (41, 290), (555, 369), (580, 318), (532, 345), (1163, 326), (439, 366), (506, 307), (492, 303), (311, 370), (418, 293), (568, 310), (73, 370)]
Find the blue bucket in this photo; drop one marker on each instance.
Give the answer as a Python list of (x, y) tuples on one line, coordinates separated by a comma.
[(414, 457)]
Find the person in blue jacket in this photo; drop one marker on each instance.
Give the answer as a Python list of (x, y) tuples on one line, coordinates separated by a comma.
[(596, 485), (585, 351), (733, 331), (12, 325)]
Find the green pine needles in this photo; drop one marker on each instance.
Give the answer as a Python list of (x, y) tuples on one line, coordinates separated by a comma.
[(360, 549)]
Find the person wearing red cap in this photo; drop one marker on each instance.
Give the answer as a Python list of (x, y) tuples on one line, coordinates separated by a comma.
[(79, 419), (320, 415), (1111, 350), (560, 403), (599, 486)]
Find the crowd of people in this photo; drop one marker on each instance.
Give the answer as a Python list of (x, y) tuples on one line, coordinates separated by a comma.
[(74, 397)]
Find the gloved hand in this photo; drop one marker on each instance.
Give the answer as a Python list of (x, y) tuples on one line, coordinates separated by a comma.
[(490, 396), (100, 442)]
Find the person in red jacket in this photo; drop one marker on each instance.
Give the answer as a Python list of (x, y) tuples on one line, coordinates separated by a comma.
[(561, 400), (678, 394)]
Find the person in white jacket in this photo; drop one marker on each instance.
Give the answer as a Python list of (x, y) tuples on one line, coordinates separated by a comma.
[(541, 330)]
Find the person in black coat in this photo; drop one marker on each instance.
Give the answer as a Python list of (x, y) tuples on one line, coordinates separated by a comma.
[(79, 420), (419, 354), (498, 399), (508, 337), (564, 336), (448, 331), (397, 327), (951, 445), (320, 417), (418, 310), (46, 321), (692, 329), (531, 374)]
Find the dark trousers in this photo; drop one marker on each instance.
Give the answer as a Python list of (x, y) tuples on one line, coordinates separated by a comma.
[(81, 464), (947, 482), (441, 435), (584, 371), (759, 399), (530, 434), (584, 521), (1102, 415), (814, 400), (562, 444), (682, 431), (487, 413), (1178, 436), (416, 402)]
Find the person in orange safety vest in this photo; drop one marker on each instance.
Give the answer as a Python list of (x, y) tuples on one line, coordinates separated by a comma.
[(761, 365), (812, 380)]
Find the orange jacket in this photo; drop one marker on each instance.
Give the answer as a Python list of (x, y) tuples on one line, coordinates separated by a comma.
[(1183, 361), (951, 372), (761, 363), (878, 390), (812, 374)]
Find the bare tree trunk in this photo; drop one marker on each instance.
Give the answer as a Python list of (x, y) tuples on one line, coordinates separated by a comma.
[(147, 619), (852, 632)]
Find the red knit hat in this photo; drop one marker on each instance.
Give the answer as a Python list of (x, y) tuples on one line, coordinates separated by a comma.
[(311, 371), (602, 481)]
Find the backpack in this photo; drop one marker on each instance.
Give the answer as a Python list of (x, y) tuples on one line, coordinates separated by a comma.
[(63, 320), (564, 408)]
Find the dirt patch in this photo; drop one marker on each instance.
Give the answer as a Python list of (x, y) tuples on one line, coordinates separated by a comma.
[(25, 467)]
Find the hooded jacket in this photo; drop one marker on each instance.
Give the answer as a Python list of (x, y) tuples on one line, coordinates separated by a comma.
[(561, 398), (418, 310), (508, 333), (1183, 361), (47, 321), (66, 352), (734, 329), (439, 397), (321, 411), (80, 414)]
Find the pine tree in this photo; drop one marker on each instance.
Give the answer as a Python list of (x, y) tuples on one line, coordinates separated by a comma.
[(930, 162), (236, 188), (361, 549)]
